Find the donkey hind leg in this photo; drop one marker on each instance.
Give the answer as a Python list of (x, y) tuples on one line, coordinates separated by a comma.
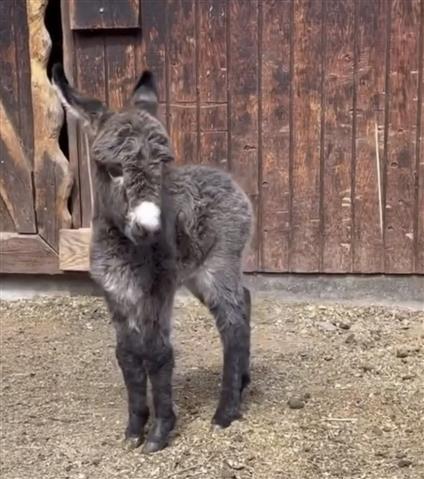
[(135, 377), (230, 305)]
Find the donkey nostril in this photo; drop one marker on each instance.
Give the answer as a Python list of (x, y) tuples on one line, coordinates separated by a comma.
[(115, 171)]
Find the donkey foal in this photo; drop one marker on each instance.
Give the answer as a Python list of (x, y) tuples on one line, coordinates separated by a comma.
[(157, 227)]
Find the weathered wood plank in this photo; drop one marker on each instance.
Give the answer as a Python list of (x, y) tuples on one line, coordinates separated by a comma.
[(8, 62), (153, 18), (182, 50), (6, 220), (74, 249), (212, 82), (402, 134), (276, 91), (370, 99), (70, 64), (338, 133), (27, 254), (305, 228), (120, 71), (183, 127), (419, 210), (24, 79), (15, 179), (98, 14), (243, 90), (213, 51), (15, 125), (91, 79), (181, 43), (52, 175)]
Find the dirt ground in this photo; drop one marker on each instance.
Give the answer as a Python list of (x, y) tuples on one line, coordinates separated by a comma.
[(356, 375)]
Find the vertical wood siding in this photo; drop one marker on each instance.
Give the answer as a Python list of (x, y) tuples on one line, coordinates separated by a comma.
[(306, 102)]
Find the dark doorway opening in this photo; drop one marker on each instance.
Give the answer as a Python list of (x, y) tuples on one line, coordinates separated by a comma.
[(53, 22)]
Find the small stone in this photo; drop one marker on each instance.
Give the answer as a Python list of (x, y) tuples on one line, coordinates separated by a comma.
[(402, 353), (296, 403), (404, 462), (306, 396), (237, 466), (328, 357), (343, 325), (327, 326), (408, 377), (367, 367), (350, 339), (228, 474), (381, 454)]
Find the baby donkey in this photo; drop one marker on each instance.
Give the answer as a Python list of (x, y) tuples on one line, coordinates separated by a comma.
[(157, 227)]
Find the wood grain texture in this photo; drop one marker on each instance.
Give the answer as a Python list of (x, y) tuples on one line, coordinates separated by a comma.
[(183, 127), (338, 130), (153, 18), (8, 62), (120, 69), (181, 43), (276, 92), (370, 100), (308, 51), (74, 249), (102, 14), (52, 175), (69, 64), (24, 79), (419, 210), (402, 135), (16, 190), (243, 91), (16, 139), (212, 82), (91, 79), (28, 254)]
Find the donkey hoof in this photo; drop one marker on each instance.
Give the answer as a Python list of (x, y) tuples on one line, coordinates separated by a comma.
[(152, 446), (223, 420), (132, 442), (216, 428)]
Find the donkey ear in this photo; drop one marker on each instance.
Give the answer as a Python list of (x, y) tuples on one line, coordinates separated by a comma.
[(89, 110), (145, 93)]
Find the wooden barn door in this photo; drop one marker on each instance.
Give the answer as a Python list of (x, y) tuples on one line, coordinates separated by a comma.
[(35, 179), (315, 106)]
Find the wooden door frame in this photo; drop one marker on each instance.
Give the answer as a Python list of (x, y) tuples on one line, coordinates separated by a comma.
[(38, 252)]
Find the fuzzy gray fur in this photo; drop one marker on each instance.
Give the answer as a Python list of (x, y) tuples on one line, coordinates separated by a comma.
[(205, 227)]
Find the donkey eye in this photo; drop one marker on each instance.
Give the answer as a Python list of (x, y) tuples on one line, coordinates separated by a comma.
[(115, 171)]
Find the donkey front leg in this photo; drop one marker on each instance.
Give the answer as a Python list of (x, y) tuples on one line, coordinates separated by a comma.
[(159, 364), (135, 377)]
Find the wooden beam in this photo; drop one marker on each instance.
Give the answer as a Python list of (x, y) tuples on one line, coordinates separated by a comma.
[(74, 249), (28, 254)]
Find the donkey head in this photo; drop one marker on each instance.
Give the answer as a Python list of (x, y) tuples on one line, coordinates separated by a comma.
[(129, 149)]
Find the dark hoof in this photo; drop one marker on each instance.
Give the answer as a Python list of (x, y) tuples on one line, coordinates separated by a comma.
[(151, 446), (216, 428), (223, 420), (245, 381), (131, 443)]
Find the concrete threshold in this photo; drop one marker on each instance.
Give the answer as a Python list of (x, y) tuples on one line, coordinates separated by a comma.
[(401, 291)]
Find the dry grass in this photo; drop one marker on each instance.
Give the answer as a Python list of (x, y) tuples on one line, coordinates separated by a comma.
[(63, 401)]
